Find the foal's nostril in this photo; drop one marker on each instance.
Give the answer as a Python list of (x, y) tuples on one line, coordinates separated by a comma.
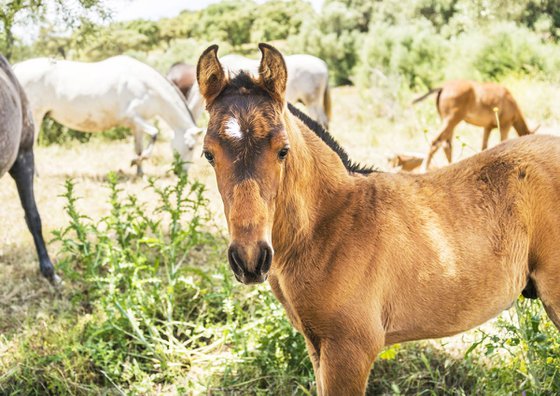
[(234, 260), (265, 258)]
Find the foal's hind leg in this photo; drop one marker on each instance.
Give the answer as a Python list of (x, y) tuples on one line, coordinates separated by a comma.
[(22, 172)]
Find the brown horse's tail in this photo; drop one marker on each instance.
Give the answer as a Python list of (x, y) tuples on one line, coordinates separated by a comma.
[(431, 91), (327, 102)]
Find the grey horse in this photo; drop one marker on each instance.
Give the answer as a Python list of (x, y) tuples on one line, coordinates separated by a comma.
[(16, 157)]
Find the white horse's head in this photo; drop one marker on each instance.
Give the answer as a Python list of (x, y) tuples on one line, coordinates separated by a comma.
[(184, 144)]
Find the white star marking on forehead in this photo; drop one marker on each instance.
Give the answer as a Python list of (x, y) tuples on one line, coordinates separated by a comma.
[(233, 129)]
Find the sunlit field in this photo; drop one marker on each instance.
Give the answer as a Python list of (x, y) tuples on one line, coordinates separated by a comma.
[(148, 303), (34, 314)]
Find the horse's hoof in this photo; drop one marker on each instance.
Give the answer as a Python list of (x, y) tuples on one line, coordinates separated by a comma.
[(56, 281)]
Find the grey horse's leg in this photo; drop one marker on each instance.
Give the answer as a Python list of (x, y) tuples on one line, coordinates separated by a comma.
[(22, 172)]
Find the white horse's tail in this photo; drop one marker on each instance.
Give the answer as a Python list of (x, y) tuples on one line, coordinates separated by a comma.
[(327, 102)]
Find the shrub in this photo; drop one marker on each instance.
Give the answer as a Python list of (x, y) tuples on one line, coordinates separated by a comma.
[(414, 52), (278, 19), (508, 49), (331, 36), (228, 21), (52, 132)]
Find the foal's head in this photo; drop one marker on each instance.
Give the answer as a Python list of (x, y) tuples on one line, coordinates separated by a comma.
[(248, 146)]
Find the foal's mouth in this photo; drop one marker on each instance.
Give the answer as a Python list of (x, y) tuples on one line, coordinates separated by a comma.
[(251, 280), (261, 263)]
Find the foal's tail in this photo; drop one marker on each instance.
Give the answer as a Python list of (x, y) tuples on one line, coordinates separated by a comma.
[(431, 91), (327, 102)]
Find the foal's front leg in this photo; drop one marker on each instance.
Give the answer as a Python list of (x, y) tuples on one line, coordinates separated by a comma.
[(314, 356), (345, 364)]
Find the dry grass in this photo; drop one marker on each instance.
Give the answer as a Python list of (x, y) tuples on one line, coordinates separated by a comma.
[(370, 125)]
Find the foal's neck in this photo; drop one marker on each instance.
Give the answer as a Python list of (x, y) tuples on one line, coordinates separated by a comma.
[(314, 181)]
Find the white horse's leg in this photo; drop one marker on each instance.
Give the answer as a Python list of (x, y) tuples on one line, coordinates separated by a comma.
[(37, 115), (138, 148), (142, 126)]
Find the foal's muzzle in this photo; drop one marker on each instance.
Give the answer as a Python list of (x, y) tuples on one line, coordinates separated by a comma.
[(250, 264)]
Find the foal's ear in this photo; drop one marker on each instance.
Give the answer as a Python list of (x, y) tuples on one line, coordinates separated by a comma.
[(273, 74), (210, 74)]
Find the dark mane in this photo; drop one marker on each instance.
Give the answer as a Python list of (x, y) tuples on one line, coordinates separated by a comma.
[(242, 80), (326, 137)]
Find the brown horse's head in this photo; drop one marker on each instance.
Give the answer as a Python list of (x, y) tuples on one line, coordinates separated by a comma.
[(247, 145)]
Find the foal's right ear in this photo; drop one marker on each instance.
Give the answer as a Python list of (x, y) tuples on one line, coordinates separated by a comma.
[(210, 74), (273, 75)]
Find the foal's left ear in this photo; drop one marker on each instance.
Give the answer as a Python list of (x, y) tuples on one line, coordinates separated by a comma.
[(210, 74), (273, 74)]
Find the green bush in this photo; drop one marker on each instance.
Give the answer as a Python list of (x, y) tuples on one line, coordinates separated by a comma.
[(414, 52), (52, 132), (508, 49), (228, 21), (278, 19), (333, 37)]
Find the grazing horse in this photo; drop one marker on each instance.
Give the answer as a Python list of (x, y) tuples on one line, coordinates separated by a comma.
[(308, 83), (406, 161), (363, 259), (488, 105), (93, 97), (16, 157), (183, 75)]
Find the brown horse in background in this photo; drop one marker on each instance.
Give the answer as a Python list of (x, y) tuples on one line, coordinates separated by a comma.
[(480, 104), (363, 259), (183, 75)]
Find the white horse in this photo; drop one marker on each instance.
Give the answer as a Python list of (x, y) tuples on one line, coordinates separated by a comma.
[(308, 83), (118, 91)]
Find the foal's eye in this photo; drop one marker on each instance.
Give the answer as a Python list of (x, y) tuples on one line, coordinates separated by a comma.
[(209, 156), (283, 153)]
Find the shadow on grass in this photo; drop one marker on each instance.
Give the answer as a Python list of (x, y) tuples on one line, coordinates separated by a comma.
[(423, 369)]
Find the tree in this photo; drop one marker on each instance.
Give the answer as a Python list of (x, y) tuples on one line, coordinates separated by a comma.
[(29, 11)]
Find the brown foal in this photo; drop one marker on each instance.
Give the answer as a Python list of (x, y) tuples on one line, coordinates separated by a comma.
[(363, 259), (488, 105)]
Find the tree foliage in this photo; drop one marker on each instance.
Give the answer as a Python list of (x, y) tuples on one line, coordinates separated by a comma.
[(27, 12), (355, 37)]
